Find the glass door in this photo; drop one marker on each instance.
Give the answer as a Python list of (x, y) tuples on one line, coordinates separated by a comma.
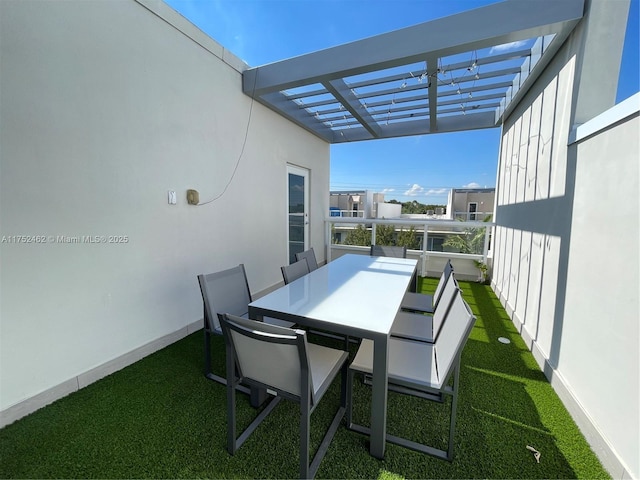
[(298, 211)]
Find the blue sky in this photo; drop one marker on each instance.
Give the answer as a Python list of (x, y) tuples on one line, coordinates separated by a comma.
[(419, 167)]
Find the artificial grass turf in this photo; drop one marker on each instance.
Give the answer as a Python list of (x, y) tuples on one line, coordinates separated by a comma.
[(160, 418)]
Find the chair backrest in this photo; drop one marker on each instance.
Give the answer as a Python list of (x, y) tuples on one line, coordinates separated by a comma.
[(223, 292), (269, 355), (310, 255), (388, 251), (453, 336), (294, 271), (448, 270), (444, 305)]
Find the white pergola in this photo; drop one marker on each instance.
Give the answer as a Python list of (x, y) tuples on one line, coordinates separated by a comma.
[(461, 72)]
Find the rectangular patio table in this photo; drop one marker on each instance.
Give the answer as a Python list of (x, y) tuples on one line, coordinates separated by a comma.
[(354, 295)]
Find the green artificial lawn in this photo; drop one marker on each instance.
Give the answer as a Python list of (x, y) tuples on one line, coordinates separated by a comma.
[(160, 418)]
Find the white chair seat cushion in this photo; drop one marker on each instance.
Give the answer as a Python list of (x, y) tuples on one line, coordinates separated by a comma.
[(324, 362), (413, 326), (410, 363), (418, 301)]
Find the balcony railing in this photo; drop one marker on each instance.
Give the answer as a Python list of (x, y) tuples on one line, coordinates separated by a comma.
[(472, 216), (422, 228)]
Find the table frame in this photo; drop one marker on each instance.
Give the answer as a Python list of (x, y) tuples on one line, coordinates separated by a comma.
[(267, 306)]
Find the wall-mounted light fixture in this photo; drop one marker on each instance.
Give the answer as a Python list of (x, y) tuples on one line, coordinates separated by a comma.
[(193, 197)]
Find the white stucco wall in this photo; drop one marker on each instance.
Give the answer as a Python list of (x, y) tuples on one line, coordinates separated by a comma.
[(389, 210), (566, 248), (105, 107), (601, 330)]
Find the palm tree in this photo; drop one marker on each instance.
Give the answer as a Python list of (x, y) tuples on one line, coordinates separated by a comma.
[(471, 241)]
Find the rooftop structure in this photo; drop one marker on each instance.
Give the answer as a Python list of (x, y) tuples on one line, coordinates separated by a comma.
[(419, 80), (108, 106)]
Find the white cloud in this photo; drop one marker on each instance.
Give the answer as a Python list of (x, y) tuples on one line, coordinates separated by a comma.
[(505, 47), (472, 185), (414, 190), (388, 190), (437, 191)]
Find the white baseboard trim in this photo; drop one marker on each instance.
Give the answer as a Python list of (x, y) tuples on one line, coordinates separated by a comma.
[(599, 444), (30, 405)]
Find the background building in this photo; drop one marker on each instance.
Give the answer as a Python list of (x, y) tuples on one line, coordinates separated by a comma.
[(471, 203)]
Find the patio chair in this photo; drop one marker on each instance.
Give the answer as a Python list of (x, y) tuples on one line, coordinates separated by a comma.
[(422, 302), (223, 292), (388, 251), (281, 360), (294, 271), (310, 255), (421, 368), (425, 328)]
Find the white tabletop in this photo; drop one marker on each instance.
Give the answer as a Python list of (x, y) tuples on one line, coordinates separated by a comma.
[(351, 293)]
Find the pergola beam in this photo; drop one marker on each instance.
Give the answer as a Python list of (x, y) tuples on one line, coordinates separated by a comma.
[(342, 92), (488, 26), (336, 107)]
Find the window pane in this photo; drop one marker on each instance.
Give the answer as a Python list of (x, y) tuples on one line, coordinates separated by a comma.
[(296, 193)]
